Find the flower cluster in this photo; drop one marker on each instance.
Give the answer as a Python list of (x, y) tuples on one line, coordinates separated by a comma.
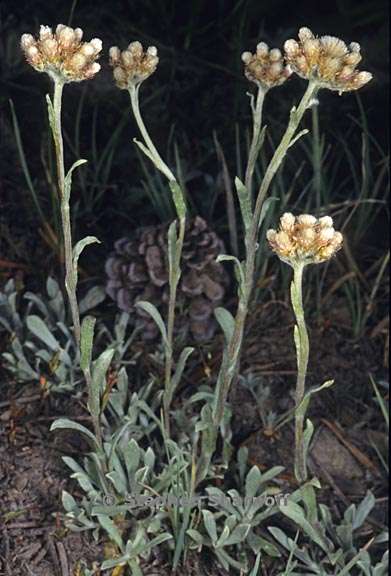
[(62, 54), (305, 239), (327, 59), (266, 67), (133, 65)]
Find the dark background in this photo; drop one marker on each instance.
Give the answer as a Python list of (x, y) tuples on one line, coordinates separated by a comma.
[(198, 88), (200, 43)]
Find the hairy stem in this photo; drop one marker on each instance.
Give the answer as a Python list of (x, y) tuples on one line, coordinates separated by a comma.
[(70, 273), (230, 367), (317, 187), (296, 115), (255, 142), (174, 280), (154, 154), (302, 350), (175, 270), (70, 280)]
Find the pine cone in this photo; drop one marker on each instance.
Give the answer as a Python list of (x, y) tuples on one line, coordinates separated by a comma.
[(138, 270)]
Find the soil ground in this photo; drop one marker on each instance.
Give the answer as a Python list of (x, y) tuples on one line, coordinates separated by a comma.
[(347, 421)]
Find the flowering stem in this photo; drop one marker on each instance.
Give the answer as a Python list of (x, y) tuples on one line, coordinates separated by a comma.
[(230, 367), (256, 140), (174, 273), (70, 279), (302, 350), (70, 272), (317, 186), (174, 280), (153, 153), (296, 115)]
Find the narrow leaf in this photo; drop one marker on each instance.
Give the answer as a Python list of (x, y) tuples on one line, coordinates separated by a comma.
[(66, 424), (210, 524), (111, 529), (68, 501), (144, 149), (238, 267), (265, 208), (244, 202), (172, 253), (195, 535), (119, 561), (86, 341), (79, 247), (68, 178), (226, 321), (272, 473), (304, 403), (238, 535), (178, 198), (132, 455), (159, 540), (180, 368), (93, 298), (307, 435), (98, 380), (254, 571), (296, 513), (156, 316), (363, 509), (227, 560), (38, 327), (253, 482), (381, 401), (50, 113)]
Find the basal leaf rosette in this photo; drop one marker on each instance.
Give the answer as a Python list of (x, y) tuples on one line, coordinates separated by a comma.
[(62, 54)]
